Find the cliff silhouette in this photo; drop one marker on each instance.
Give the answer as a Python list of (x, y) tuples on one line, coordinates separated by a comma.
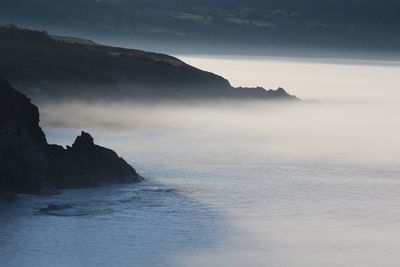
[(52, 67), (29, 165)]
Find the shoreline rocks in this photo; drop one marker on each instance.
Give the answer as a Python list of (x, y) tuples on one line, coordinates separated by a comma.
[(29, 165)]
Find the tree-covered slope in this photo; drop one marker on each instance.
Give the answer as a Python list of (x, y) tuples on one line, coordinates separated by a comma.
[(361, 24)]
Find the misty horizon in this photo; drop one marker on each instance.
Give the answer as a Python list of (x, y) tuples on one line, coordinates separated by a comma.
[(199, 133)]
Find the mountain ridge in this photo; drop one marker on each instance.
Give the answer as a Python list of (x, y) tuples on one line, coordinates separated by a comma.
[(43, 66)]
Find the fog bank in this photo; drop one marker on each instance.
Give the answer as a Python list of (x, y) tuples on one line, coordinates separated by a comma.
[(349, 112)]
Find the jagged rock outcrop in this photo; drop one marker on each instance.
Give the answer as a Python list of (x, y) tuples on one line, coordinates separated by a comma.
[(87, 164), (28, 164)]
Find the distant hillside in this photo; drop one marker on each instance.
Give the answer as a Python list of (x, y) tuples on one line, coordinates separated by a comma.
[(43, 67), (350, 24)]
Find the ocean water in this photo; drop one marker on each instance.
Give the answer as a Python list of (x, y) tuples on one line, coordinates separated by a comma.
[(315, 183)]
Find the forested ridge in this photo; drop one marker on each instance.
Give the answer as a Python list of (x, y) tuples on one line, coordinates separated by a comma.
[(359, 24)]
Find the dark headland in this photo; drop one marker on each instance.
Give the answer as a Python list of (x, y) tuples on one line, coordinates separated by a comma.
[(29, 165), (52, 67)]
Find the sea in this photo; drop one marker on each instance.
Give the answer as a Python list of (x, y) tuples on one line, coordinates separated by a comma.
[(313, 183)]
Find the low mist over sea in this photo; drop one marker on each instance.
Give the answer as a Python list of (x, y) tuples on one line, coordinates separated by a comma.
[(347, 113), (313, 183), (199, 133)]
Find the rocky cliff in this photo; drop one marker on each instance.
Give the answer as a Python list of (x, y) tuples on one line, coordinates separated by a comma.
[(28, 164)]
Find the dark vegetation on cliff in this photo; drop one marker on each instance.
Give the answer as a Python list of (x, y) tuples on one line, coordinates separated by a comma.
[(356, 24), (28, 164), (44, 66)]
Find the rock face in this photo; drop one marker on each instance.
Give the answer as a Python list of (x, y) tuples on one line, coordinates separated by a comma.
[(28, 164), (86, 164), (23, 147)]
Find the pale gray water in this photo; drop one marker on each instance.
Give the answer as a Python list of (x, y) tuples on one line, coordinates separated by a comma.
[(316, 184)]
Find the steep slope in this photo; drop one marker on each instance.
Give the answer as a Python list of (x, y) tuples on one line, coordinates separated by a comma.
[(42, 66), (29, 165)]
